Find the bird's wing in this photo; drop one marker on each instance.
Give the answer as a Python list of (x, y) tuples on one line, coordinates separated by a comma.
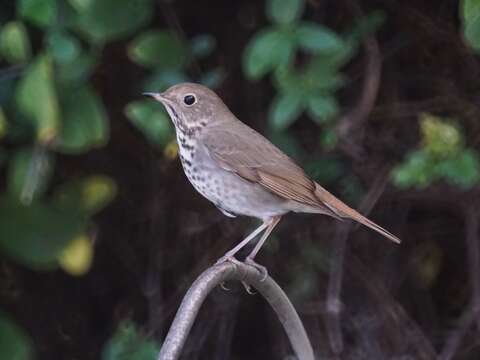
[(242, 150)]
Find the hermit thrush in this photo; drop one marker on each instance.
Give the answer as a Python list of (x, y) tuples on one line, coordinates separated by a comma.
[(242, 172)]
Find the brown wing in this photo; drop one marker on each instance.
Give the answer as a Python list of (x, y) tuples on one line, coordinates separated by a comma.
[(242, 150)]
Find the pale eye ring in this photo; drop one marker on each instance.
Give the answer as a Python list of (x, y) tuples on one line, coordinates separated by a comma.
[(189, 99)]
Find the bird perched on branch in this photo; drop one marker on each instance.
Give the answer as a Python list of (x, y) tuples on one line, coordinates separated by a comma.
[(240, 171)]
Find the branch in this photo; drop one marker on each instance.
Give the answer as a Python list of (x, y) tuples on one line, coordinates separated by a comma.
[(215, 275), (350, 126), (334, 304)]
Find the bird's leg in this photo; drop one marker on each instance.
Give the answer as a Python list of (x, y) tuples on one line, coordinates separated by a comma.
[(229, 256), (249, 259)]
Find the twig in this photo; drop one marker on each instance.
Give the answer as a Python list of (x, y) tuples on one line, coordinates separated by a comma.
[(350, 126), (454, 340), (336, 273), (215, 275), (472, 226), (472, 314)]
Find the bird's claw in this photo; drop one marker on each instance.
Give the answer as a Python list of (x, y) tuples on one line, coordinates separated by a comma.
[(223, 286), (262, 269), (248, 288)]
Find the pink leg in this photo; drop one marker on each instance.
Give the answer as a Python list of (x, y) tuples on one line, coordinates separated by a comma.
[(249, 259)]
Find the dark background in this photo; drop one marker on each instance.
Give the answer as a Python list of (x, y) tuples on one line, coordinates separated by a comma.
[(411, 301)]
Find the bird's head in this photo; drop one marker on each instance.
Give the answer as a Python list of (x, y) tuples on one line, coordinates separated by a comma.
[(191, 106)]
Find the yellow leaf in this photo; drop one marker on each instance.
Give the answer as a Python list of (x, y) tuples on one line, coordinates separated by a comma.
[(3, 123), (76, 258), (171, 150), (98, 191), (441, 137)]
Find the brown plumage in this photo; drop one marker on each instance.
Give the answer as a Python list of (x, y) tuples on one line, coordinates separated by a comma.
[(242, 172), (242, 150)]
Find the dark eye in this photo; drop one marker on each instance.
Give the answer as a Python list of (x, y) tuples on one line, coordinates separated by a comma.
[(189, 100)]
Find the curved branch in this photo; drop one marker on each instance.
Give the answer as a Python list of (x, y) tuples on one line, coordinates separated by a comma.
[(218, 274)]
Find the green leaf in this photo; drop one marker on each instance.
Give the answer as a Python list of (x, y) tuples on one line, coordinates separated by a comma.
[(129, 342), (322, 72), (471, 23), (156, 48), (462, 170), (14, 343), (318, 39), (322, 108), (75, 71), (88, 195), (202, 45), (29, 236), (85, 123), (471, 32), (470, 9), (14, 43), (285, 109), (36, 98), (29, 172), (63, 47), (39, 12), (440, 137), (269, 49), (3, 123), (328, 139), (80, 5), (108, 20), (284, 11), (286, 80), (417, 170), (149, 117), (365, 26)]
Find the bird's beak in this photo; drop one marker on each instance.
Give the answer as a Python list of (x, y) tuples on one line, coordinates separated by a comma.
[(156, 96)]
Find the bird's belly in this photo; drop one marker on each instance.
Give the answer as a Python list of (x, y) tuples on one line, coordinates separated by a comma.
[(236, 195)]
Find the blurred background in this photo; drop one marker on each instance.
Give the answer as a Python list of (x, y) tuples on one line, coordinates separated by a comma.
[(101, 234)]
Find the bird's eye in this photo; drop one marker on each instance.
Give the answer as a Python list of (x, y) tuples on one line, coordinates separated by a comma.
[(189, 100)]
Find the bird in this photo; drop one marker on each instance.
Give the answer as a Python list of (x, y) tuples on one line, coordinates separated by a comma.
[(240, 171)]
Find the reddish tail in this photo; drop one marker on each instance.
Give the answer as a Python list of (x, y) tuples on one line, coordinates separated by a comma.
[(344, 211)]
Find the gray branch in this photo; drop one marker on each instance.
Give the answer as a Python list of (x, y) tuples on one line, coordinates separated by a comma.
[(214, 276)]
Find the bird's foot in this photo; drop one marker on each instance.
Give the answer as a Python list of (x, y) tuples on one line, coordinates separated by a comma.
[(231, 259), (221, 261), (248, 288), (263, 270), (223, 286)]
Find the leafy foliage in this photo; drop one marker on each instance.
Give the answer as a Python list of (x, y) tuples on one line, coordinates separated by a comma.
[(48, 107), (14, 343), (129, 343), (14, 43), (442, 155), (470, 11), (309, 87), (107, 20)]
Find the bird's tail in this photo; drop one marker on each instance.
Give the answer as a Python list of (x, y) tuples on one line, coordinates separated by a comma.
[(344, 211)]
